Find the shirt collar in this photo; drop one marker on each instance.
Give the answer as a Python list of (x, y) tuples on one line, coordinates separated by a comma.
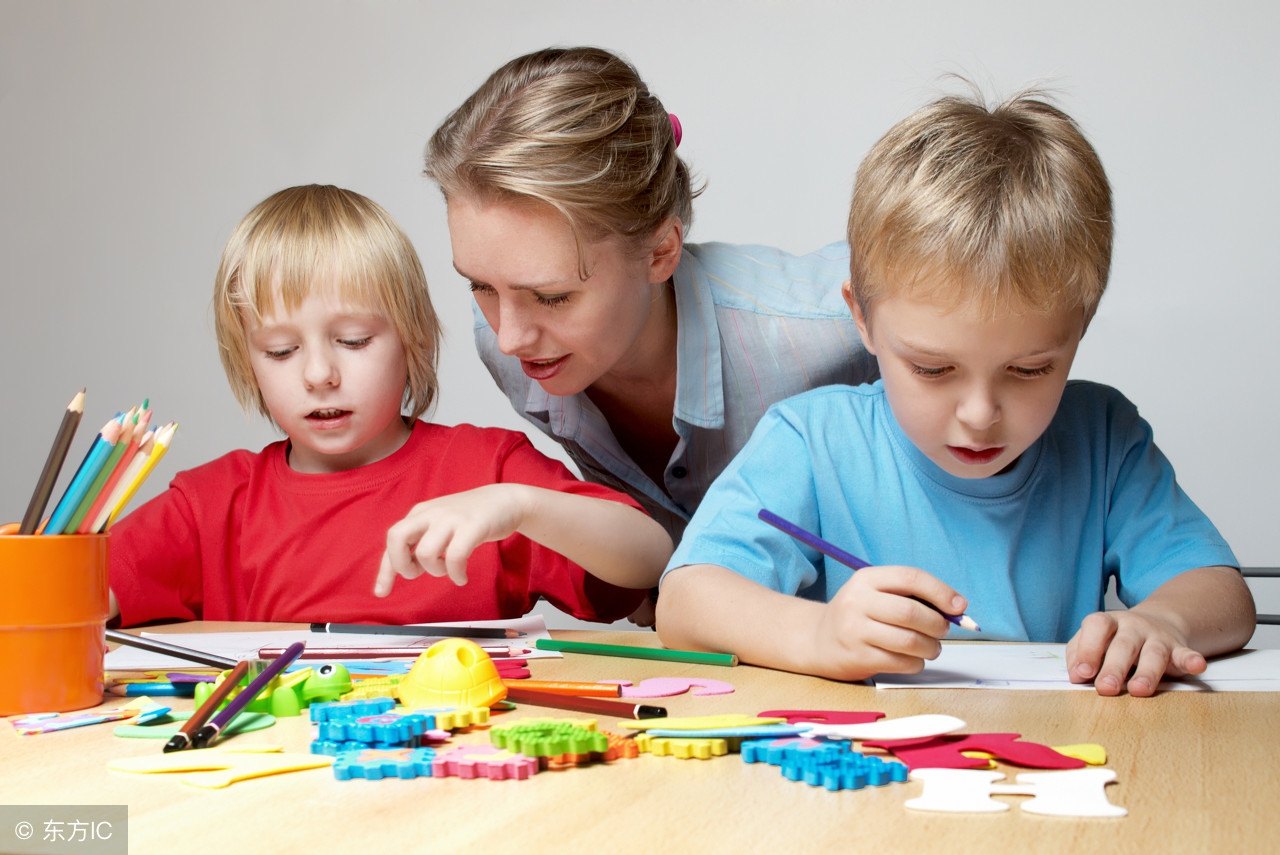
[(699, 380)]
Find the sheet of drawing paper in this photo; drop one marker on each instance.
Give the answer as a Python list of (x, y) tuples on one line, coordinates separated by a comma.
[(245, 645), (1005, 665)]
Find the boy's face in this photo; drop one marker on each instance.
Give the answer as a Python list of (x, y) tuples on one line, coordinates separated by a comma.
[(971, 392), (333, 377)]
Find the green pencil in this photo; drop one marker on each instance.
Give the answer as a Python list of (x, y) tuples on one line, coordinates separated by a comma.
[(630, 652)]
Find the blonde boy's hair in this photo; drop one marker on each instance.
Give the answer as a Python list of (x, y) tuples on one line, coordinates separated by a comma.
[(573, 128), (1008, 207), (302, 240)]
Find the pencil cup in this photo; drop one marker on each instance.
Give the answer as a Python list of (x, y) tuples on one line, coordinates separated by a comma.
[(53, 610)]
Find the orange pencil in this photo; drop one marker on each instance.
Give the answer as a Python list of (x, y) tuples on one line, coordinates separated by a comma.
[(568, 687), (99, 511)]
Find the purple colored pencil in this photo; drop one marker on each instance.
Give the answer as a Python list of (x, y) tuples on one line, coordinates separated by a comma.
[(848, 559)]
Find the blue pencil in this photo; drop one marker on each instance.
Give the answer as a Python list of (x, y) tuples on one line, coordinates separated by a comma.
[(83, 480), (847, 559)]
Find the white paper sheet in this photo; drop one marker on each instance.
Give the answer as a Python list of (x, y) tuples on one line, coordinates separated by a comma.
[(998, 665), (245, 645)]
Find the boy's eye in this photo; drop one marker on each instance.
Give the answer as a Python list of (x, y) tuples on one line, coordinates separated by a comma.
[(925, 371), (1038, 371), (279, 352), (477, 288)]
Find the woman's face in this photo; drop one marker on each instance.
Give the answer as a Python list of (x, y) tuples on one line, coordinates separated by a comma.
[(522, 264)]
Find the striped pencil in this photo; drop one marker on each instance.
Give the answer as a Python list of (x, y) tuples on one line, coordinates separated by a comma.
[(113, 459), (160, 445), (53, 464), (93, 462), (101, 509)]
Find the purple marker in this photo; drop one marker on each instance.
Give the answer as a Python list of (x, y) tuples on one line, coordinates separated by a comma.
[(207, 734)]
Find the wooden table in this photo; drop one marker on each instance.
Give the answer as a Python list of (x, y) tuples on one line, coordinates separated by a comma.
[(1196, 773)]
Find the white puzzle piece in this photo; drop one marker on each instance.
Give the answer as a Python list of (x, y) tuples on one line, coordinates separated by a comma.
[(908, 727), (1077, 792)]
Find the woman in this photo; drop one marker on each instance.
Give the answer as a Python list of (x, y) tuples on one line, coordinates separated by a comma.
[(648, 359)]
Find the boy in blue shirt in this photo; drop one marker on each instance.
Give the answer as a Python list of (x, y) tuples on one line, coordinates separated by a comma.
[(981, 245)]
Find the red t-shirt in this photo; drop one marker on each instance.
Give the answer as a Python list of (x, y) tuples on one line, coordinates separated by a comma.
[(245, 537)]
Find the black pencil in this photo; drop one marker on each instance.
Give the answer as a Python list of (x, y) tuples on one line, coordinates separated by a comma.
[(172, 649), (420, 631), (53, 464)]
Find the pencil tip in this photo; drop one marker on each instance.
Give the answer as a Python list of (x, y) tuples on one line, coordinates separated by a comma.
[(969, 623)]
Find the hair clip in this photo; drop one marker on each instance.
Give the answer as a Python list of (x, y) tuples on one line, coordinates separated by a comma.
[(676, 130)]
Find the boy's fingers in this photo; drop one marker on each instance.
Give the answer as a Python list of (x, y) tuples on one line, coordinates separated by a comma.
[(1153, 661), (1119, 659), (1087, 648), (1186, 661), (386, 577)]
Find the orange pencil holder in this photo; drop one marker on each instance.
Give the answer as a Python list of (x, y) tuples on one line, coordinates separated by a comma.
[(53, 610)]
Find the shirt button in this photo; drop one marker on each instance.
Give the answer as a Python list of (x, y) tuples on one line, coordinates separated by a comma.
[(678, 472)]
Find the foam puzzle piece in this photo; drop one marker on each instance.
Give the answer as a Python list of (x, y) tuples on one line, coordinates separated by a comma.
[(618, 747), (383, 728), (700, 722), (453, 672), (771, 750), (453, 718), (550, 738), (683, 749), (908, 727), (944, 752), (483, 761), (1090, 752), (665, 687), (1078, 792), (215, 768), (374, 764), (834, 767), (170, 724), (350, 710), (823, 716)]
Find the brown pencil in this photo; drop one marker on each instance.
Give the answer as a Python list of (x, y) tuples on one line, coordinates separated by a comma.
[(53, 464), (182, 739)]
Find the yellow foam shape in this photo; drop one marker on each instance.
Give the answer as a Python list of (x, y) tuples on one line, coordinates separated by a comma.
[(700, 722), (981, 755), (1091, 753), (684, 749), (457, 719), (215, 768)]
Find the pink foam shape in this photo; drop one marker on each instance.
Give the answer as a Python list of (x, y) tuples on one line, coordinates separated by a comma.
[(943, 752), (823, 716), (665, 687)]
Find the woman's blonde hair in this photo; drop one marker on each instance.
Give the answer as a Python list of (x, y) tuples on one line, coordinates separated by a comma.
[(576, 129), (305, 238), (1007, 206)]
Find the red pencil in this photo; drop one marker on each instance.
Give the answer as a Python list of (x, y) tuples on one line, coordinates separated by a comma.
[(589, 705)]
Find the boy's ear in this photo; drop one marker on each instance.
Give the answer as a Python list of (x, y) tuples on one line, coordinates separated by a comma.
[(665, 255), (855, 309)]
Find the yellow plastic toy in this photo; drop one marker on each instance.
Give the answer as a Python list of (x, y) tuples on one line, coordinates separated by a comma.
[(455, 672)]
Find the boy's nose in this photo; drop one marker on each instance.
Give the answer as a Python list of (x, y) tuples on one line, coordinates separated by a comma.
[(978, 409)]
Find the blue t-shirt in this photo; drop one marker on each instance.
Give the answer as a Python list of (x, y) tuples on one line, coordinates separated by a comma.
[(1032, 548)]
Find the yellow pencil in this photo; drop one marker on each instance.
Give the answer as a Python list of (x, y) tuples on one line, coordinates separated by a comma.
[(160, 444), (127, 422)]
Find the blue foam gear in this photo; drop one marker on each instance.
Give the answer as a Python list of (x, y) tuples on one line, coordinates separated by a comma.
[(374, 764), (349, 710)]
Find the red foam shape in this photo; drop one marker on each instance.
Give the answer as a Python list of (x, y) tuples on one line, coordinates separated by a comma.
[(823, 716), (943, 752)]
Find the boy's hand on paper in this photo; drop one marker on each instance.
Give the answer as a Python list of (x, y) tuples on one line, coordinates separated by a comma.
[(437, 537), (1112, 645), (874, 626)]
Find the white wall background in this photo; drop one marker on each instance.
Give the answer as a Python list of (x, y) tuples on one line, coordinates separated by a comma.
[(135, 134)]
